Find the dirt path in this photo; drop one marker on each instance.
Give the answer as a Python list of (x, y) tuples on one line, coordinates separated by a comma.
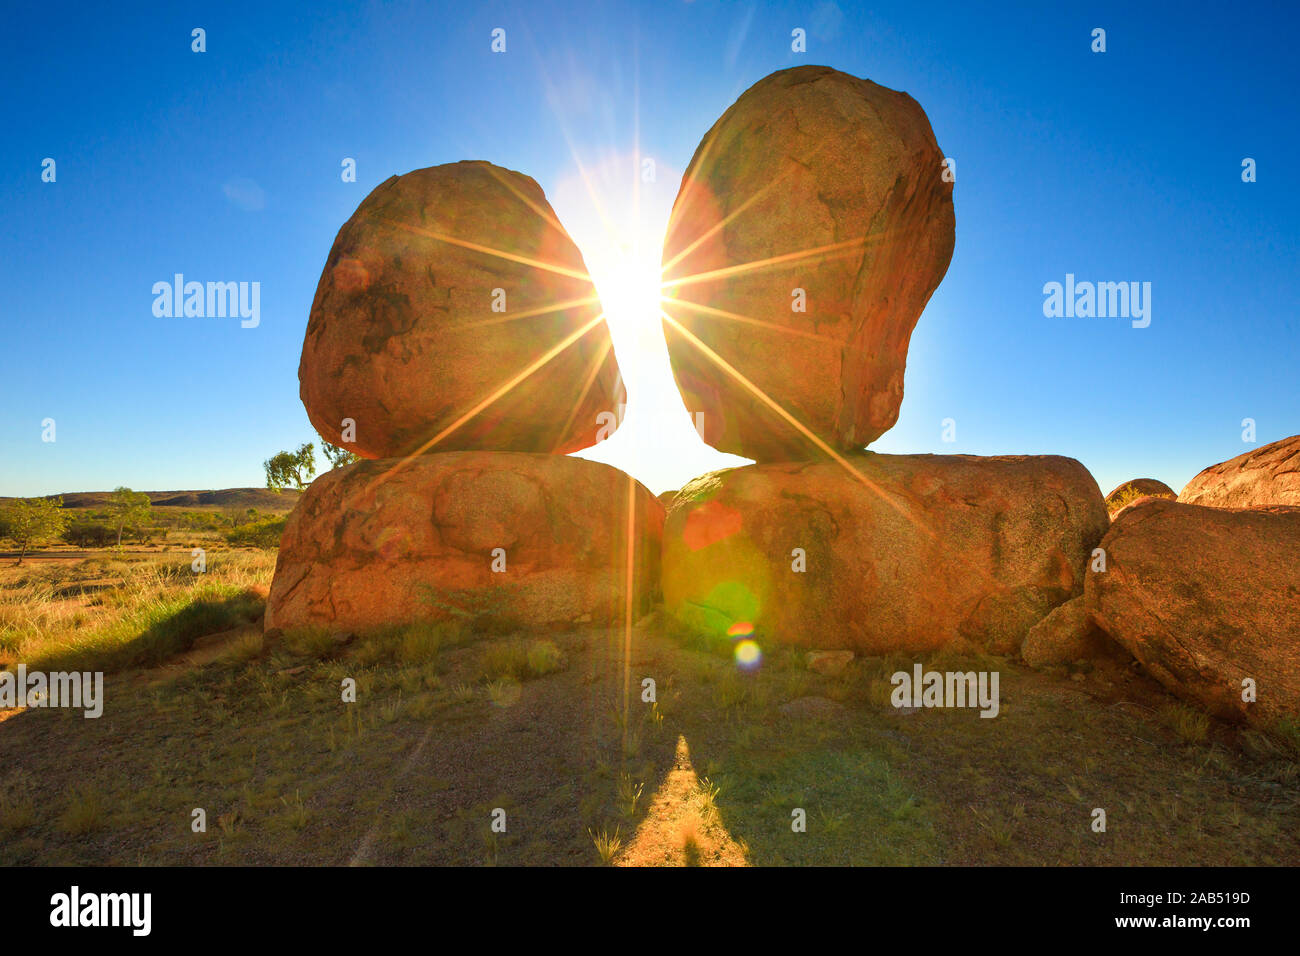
[(682, 826)]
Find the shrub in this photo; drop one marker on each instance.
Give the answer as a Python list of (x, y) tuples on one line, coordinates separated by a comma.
[(90, 534), (544, 658), (258, 534), (511, 660)]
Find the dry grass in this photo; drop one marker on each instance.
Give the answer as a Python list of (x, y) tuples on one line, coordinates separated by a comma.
[(110, 612)]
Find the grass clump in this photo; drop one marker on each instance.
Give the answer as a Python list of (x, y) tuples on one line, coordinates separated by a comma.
[(83, 813), (519, 661), (607, 844), (1189, 725)]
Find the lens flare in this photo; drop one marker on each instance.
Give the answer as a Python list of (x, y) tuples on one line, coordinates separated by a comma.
[(740, 629), (748, 655)]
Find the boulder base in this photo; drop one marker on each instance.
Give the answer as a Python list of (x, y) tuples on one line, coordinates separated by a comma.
[(1205, 598), (902, 552), (393, 541)]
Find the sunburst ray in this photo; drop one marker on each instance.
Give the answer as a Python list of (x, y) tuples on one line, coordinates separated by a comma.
[(824, 253), (732, 372), (488, 250), (750, 320), (524, 314), (508, 386)]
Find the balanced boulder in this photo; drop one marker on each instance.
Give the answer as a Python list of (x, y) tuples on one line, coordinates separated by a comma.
[(1265, 476), (882, 553), (496, 539), (1208, 601), (811, 227), (455, 313)]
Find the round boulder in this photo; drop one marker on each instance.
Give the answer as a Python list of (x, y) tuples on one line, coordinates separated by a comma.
[(1208, 601), (1135, 490), (455, 313), (811, 227)]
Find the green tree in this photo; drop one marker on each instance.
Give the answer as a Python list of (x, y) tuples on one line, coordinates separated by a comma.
[(28, 521), (337, 456), (296, 468), (127, 507)]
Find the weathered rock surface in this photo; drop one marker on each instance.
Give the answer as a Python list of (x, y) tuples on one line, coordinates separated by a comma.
[(906, 552), (1260, 478), (403, 338), (1065, 635), (1151, 487), (841, 182), (391, 542), (1205, 598)]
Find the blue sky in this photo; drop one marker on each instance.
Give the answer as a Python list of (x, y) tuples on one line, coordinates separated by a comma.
[(225, 166)]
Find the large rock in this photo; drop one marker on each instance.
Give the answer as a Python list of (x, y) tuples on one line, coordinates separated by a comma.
[(391, 542), (1137, 489), (903, 552), (1152, 487), (404, 340), (1205, 598), (1265, 476), (1064, 636), (839, 180)]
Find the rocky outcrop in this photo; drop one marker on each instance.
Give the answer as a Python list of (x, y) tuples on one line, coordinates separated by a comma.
[(455, 313), (811, 228), (894, 552), (498, 539), (1260, 478), (1208, 601)]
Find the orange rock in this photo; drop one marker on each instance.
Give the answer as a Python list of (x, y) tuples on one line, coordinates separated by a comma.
[(1265, 476), (1134, 489), (439, 305), (1066, 635), (391, 542), (1206, 598), (906, 552), (818, 191)]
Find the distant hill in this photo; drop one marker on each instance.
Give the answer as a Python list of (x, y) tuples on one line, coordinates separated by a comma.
[(263, 499)]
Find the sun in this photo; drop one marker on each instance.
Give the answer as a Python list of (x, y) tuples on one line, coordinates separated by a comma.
[(618, 217), (618, 222)]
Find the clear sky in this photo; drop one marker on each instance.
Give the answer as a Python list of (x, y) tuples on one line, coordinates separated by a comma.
[(225, 165)]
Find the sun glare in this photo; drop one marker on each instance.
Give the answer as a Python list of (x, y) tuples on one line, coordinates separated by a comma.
[(618, 219)]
